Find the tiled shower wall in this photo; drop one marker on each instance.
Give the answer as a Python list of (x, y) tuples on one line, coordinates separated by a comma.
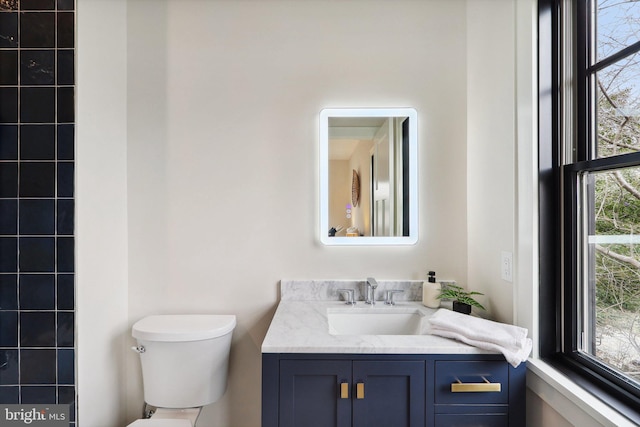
[(37, 306)]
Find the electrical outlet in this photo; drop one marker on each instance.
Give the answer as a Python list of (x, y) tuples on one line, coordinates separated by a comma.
[(506, 266)]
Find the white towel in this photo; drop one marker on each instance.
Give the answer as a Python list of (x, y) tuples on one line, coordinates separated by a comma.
[(510, 340)]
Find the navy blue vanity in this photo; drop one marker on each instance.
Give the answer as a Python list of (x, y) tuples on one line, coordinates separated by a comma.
[(314, 375), (391, 390)]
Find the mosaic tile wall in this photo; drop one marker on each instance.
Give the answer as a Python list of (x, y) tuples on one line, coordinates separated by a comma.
[(37, 306)]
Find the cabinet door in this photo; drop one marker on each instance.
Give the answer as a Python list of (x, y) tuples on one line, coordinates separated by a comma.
[(391, 394), (310, 393)]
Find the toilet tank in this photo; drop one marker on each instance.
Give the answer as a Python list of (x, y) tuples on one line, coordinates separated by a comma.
[(185, 358)]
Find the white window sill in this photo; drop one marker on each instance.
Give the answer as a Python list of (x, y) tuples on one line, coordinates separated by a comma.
[(571, 401)]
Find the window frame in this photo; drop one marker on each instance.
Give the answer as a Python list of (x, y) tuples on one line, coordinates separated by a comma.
[(564, 66)]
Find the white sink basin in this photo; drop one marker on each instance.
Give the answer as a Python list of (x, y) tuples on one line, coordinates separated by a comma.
[(374, 321)]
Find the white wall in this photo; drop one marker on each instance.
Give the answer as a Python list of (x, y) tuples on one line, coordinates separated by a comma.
[(490, 149), (223, 169), (221, 134), (101, 212), (339, 193), (361, 162)]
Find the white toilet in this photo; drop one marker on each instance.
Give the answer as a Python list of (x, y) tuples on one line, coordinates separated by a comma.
[(184, 365)]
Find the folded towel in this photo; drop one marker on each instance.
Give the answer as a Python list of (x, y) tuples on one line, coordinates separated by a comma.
[(513, 357), (509, 336), (510, 340)]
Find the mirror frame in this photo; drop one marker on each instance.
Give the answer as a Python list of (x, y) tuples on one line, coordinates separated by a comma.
[(328, 113)]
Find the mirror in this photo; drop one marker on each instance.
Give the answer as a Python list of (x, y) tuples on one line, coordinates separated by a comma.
[(368, 176)]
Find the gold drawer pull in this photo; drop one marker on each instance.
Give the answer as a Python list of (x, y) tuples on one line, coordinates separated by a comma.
[(344, 390), (360, 391), (486, 386)]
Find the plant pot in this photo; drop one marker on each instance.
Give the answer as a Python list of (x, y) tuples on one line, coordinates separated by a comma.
[(461, 307)]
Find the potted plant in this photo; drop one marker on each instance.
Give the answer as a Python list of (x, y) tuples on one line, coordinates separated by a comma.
[(462, 300)]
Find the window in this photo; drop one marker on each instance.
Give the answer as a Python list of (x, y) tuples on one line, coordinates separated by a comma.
[(590, 187)]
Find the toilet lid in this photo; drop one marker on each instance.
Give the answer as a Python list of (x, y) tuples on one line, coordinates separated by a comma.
[(183, 327), (160, 423)]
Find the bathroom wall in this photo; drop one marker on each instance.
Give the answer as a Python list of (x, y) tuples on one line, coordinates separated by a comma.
[(361, 163), (491, 145), (340, 190), (220, 125), (37, 303), (101, 213), (339, 193), (223, 155)]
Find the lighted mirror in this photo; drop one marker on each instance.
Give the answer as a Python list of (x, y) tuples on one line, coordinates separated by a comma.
[(368, 176)]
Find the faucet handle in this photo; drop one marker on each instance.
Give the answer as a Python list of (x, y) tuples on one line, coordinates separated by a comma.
[(389, 298), (349, 300)]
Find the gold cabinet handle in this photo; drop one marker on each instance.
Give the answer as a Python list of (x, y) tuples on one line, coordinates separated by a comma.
[(360, 391), (344, 390), (484, 387)]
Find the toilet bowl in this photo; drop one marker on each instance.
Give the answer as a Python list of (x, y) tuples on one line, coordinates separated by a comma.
[(184, 361)]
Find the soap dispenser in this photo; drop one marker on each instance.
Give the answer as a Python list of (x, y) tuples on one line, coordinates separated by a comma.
[(431, 291)]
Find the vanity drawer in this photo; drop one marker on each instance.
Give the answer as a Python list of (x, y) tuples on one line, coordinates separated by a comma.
[(472, 420), (471, 382)]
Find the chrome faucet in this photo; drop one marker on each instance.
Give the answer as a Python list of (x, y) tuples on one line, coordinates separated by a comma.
[(389, 298), (349, 299), (370, 291)]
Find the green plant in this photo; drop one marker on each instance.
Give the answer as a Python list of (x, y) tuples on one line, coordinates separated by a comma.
[(457, 293)]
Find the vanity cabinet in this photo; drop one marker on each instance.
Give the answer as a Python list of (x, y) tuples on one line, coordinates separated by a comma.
[(354, 393), (358, 390)]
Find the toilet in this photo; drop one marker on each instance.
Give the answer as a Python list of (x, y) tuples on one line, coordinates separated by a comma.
[(184, 362)]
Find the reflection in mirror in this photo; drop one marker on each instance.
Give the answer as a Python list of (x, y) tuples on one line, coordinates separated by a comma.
[(368, 176)]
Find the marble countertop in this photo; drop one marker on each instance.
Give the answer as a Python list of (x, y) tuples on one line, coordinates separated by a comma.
[(301, 325)]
